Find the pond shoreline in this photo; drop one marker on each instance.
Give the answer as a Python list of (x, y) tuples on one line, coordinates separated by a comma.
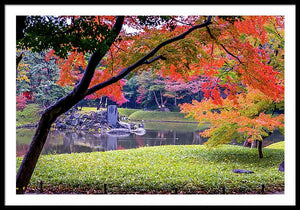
[(167, 121), (31, 125)]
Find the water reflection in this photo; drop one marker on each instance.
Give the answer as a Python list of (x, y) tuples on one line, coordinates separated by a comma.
[(59, 142)]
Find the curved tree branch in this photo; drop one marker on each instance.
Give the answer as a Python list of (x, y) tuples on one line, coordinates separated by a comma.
[(144, 60), (98, 55), (155, 58)]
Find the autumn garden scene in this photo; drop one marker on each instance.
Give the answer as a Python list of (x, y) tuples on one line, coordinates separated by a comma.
[(150, 105)]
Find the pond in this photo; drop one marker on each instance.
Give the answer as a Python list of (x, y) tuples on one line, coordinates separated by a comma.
[(71, 141)]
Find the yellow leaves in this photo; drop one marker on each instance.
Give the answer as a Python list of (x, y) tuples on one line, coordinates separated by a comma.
[(245, 117), (22, 71), (22, 76)]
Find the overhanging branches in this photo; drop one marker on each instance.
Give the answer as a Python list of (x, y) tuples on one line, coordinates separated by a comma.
[(144, 60)]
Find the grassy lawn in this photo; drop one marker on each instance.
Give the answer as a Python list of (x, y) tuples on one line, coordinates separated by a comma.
[(277, 145), (28, 115), (122, 111), (126, 112), (159, 116), (189, 168), (87, 110)]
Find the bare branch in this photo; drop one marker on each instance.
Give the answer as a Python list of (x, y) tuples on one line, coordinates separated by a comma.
[(227, 51), (155, 58), (118, 48)]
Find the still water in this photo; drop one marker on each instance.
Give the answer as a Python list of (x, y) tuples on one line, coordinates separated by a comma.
[(70, 141)]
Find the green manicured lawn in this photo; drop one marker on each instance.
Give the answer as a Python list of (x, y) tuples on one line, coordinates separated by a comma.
[(87, 110), (122, 111), (159, 116), (277, 145), (189, 168), (126, 112)]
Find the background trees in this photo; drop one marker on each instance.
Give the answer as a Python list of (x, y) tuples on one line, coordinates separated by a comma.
[(38, 78)]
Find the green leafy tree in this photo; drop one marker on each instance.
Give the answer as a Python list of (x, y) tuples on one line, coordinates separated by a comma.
[(131, 93), (41, 78)]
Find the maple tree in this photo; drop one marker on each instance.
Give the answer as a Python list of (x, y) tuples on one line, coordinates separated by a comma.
[(246, 119), (253, 82), (226, 53)]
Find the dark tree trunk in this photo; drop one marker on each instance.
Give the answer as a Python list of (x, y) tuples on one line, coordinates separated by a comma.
[(259, 149), (30, 159), (48, 117), (20, 26)]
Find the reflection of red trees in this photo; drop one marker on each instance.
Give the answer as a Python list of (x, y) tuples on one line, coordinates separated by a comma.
[(120, 147), (161, 137), (21, 150), (139, 141)]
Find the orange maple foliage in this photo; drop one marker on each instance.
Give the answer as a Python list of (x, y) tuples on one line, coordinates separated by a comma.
[(244, 119), (232, 55), (70, 74), (226, 55)]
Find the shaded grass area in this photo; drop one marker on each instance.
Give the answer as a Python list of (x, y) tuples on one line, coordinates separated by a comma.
[(186, 168), (29, 115)]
